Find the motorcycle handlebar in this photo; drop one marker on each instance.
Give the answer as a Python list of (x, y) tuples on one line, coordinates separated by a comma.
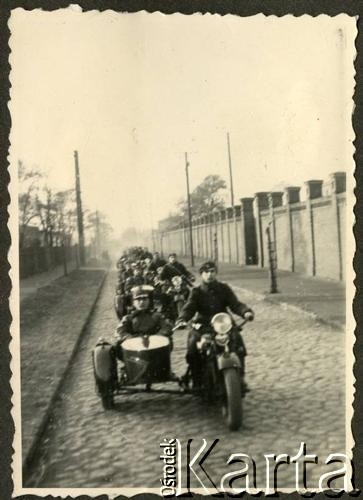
[(179, 326), (238, 325)]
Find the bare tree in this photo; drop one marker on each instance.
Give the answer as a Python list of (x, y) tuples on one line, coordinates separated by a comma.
[(46, 212), (29, 180), (64, 220), (101, 230), (205, 198)]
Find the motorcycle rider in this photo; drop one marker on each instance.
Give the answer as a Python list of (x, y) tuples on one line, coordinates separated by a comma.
[(148, 277), (141, 320), (206, 300), (157, 262), (137, 276), (174, 268), (160, 290)]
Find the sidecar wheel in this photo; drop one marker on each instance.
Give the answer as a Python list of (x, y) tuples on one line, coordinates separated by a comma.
[(233, 401)]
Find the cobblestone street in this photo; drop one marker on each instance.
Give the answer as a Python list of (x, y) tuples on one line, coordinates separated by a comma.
[(295, 370)]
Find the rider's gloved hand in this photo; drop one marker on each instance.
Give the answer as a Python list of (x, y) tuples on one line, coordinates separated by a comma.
[(249, 316)]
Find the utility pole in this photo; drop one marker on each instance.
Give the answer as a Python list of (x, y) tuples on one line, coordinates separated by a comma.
[(232, 194), (79, 212), (189, 211)]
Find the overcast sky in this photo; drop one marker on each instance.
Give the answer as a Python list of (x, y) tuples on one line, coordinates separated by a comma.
[(133, 92)]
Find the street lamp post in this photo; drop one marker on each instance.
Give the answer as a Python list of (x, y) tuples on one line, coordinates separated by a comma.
[(272, 260), (189, 211)]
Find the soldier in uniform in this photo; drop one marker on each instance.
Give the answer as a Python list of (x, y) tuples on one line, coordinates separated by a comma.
[(137, 277), (142, 320), (174, 268), (126, 272), (157, 262), (206, 300)]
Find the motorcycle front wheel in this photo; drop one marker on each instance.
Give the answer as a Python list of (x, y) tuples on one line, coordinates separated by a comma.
[(107, 400), (233, 400)]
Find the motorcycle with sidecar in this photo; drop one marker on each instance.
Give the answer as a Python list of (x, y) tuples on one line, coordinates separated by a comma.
[(147, 361)]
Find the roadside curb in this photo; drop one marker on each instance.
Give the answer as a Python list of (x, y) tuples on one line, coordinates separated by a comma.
[(26, 461), (285, 305)]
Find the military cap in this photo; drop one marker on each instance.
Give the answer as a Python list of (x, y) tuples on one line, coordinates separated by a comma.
[(207, 266), (141, 291)]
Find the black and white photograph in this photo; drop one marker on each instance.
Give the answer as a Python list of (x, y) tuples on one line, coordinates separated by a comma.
[(181, 219)]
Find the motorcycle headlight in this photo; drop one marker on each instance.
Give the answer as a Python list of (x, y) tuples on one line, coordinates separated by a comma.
[(222, 323)]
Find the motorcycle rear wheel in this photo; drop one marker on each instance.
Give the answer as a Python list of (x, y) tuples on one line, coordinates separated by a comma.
[(233, 401)]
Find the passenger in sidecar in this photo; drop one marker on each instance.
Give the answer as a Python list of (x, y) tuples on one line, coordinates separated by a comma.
[(140, 344), (142, 321)]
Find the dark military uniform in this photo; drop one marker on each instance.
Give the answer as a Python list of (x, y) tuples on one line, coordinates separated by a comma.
[(175, 269), (210, 299), (205, 301), (126, 273), (136, 280), (156, 263), (139, 323)]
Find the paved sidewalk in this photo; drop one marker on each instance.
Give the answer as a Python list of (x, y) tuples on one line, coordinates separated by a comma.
[(52, 322), (30, 285), (325, 299)]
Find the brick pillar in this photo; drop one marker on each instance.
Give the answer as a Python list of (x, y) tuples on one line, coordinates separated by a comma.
[(205, 235), (218, 226), (260, 203), (229, 216), (274, 200), (215, 234), (195, 236), (313, 190), (201, 236), (292, 195), (185, 239), (222, 222), (248, 231), (237, 215), (211, 234), (338, 184)]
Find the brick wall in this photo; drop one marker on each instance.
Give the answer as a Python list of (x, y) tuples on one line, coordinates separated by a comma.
[(308, 236)]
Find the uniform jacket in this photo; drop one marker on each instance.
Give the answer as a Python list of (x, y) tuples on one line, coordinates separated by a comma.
[(126, 273), (175, 269), (155, 264), (140, 322), (210, 299)]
